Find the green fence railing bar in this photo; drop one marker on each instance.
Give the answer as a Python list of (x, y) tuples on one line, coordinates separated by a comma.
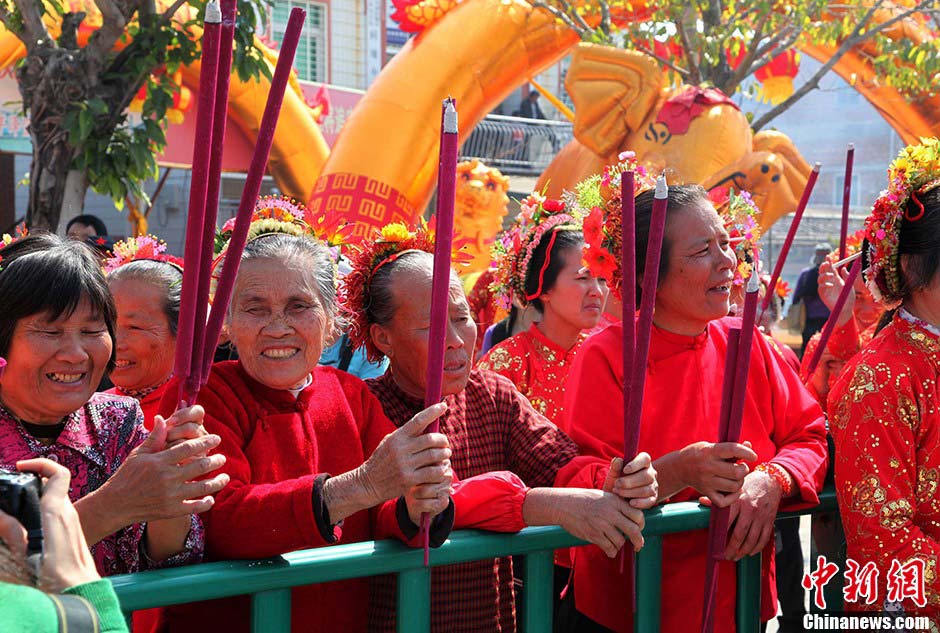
[(269, 582)]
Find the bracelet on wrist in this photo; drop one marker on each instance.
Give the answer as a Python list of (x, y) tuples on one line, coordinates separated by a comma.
[(778, 474)]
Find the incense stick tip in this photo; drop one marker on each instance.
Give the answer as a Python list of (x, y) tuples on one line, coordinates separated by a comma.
[(816, 167), (213, 13), (851, 147), (662, 189), (753, 282), (450, 117)]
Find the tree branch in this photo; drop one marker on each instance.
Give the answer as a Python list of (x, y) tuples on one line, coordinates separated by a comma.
[(112, 28), (854, 38), (558, 14), (694, 74), (743, 68), (605, 19), (169, 13), (668, 64), (34, 34)]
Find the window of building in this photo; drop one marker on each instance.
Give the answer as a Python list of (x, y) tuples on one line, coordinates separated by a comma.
[(311, 59)]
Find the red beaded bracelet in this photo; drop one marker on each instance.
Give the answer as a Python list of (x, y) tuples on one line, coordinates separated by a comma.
[(778, 474)]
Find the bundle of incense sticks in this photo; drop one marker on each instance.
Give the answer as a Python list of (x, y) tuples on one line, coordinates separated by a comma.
[(246, 206), (197, 338)]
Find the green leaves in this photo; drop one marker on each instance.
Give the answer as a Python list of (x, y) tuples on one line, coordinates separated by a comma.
[(118, 153)]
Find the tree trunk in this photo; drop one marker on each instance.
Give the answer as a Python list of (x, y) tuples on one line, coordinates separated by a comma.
[(73, 200), (51, 82)]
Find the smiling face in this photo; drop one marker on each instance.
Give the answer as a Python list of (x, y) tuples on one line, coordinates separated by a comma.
[(577, 297), (278, 322), (54, 366), (405, 338), (145, 345), (697, 286)]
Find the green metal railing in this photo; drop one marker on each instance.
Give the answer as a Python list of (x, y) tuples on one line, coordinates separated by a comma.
[(269, 582)]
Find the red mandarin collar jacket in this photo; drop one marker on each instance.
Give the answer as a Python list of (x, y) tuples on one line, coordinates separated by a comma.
[(681, 405)]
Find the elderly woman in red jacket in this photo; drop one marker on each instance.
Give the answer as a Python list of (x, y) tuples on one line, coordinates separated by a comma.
[(312, 458), (783, 454), (146, 283)]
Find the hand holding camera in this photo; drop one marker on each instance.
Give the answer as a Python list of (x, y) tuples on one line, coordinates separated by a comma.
[(66, 560)]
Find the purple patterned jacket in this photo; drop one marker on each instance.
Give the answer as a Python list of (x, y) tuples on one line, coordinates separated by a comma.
[(94, 443)]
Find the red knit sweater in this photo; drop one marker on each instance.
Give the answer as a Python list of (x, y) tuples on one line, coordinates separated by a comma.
[(275, 447)]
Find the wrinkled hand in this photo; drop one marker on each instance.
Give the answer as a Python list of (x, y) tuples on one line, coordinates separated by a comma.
[(752, 515), (431, 498), (712, 469), (66, 561), (185, 424), (831, 282), (636, 482), (156, 482), (601, 518), (407, 458)]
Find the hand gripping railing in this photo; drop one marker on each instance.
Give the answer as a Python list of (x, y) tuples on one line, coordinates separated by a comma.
[(269, 582)]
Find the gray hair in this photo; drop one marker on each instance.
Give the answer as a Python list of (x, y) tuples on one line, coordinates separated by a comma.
[(380, 304), (314, 253), (161, 275)]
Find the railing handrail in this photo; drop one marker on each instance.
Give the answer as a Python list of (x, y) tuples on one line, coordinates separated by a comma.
[(209, 581), (521, 119)]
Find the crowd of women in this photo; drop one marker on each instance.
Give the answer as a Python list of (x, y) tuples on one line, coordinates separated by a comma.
[(281, 453)]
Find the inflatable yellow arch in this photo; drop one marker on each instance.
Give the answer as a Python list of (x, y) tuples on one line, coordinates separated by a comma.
[(383, 165)]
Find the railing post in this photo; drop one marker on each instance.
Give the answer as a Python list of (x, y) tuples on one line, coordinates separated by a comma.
[(748, 598), (649, 576), (537, 592), (413, 606), (270, 611)]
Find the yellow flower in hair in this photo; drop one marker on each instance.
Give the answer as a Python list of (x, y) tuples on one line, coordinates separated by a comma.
[(7, 239), (395, 232)]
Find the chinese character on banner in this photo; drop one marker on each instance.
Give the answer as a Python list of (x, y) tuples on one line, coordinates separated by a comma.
[(907, 581), (819, 579), (861, 582)]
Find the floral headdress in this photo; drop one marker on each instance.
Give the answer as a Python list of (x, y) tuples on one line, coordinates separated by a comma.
[(513, 250), (366, 258), (283, 214), (143, 248), (914, 172), (18, 233), (740, 214), (599, 195)]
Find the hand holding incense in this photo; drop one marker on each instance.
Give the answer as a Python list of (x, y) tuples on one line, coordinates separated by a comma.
[(833, 318)]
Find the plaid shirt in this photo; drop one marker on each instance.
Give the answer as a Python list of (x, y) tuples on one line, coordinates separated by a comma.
[(491, 426)]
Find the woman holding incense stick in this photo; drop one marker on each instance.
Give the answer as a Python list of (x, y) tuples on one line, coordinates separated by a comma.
[(539, 260), (510, 453), (145, 282), (883, 409), (136, 494), (782, 453), (312, 459)]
